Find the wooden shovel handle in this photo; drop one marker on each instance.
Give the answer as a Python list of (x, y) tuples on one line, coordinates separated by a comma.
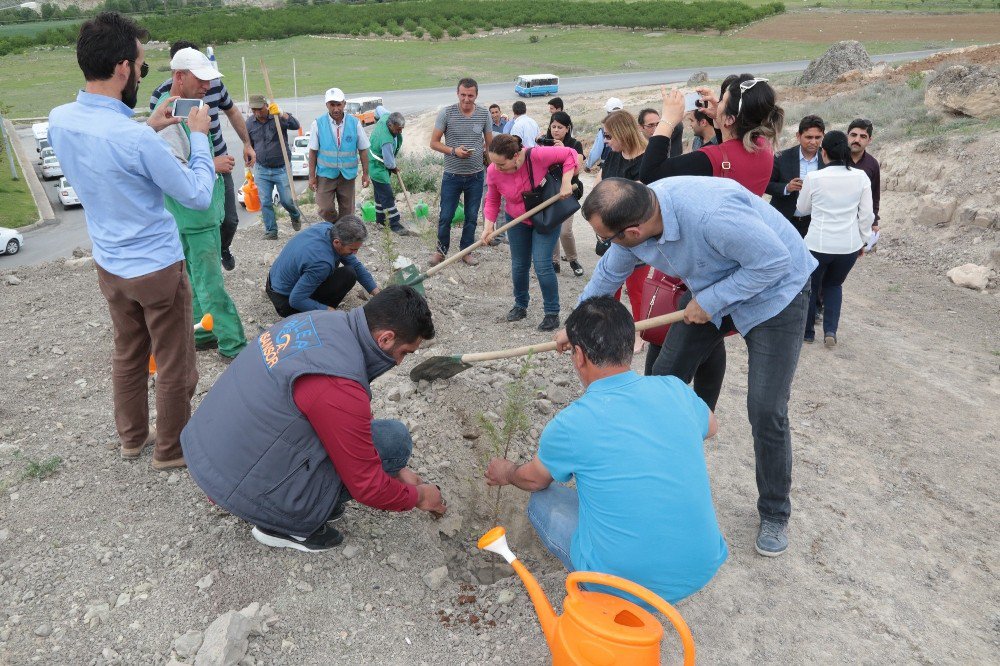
[(479, 243), (281, 135), (655, 322), (406, 195)]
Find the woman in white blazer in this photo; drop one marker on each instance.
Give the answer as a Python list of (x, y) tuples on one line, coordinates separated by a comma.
[(839, 199)]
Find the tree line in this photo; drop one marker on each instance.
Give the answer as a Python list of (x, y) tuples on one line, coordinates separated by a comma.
[(434, 18)]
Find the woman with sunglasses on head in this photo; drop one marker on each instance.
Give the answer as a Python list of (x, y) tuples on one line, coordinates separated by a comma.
[(747, 121), (628, 145), (559, 134), (509, 177), (839, 199)]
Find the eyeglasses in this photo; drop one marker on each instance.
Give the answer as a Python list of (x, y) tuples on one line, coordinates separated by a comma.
[(143, 69), (745, 86), (650, 125), (620, 234)]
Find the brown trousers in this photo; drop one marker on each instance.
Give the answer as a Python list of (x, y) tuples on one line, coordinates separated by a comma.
[(335, 197), (152, 314)]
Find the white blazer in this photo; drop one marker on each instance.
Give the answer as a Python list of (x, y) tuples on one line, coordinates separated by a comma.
[(840, 203)]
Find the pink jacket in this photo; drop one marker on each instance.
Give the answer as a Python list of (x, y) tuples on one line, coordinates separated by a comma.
[(511, 186)]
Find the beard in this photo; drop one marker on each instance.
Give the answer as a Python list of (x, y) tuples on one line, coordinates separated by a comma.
[(130, 94)]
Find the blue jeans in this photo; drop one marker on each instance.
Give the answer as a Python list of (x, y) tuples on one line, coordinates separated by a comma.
[(773, 353), (394, 445), (267, 179), (828, 285), (385, 205), (471, 188), (555, 513), (528, 246)]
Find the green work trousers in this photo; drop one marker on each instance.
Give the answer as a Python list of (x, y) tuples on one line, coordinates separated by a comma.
[(201, 252)]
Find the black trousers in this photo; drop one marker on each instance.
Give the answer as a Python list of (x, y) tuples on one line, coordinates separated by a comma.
[(330, 293), (231, 219)]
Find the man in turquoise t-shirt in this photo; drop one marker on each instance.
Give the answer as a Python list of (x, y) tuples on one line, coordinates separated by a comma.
[(642, 508)]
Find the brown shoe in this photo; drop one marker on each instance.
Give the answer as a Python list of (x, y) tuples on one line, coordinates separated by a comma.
[(131, 453), (471, 259), (436, 259), (160, 465)]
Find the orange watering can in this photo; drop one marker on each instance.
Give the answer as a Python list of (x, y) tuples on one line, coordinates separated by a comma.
[(206, 324), (251, 197), (596, 629)]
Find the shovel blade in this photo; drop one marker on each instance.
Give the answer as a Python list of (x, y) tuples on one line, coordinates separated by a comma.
[(438, 367), (409, 276)]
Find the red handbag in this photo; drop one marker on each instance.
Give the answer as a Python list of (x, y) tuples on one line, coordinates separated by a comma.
[(660, 295)]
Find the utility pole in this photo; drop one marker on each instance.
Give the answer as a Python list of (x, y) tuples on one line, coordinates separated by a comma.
[(8, 148)]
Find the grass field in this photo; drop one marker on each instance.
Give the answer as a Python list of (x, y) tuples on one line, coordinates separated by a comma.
[(32, 83), (33, 27), (18, 207), (950, 6)]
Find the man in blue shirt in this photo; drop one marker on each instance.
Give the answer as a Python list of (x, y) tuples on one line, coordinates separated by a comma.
[(642, 508), (121, 170), (318, 267), (748, 270)]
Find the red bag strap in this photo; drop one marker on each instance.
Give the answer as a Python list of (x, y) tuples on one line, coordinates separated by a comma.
[(726, 165)]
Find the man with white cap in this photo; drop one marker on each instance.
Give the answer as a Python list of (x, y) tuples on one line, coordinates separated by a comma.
[(337, 143), (599, 150), (193, 74)]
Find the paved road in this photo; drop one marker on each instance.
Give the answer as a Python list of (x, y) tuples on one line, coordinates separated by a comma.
[(58, 240)]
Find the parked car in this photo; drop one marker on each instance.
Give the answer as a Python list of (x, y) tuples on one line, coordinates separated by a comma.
[(45, 152), (300, 166), (275, 199), (300, 145), (67, 196), (10, 241), (42, 145), (51, 168)]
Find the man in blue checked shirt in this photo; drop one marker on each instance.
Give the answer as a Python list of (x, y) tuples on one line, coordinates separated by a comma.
[(748, 270), (121, 170)]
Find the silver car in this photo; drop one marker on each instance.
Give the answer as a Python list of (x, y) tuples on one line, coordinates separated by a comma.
[(51, 168), (67, 196)]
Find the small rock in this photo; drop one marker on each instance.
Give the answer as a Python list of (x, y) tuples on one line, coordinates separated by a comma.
[(697, 79), (435, 578), (506, 596), (97, 613), (12, 280), (58, 351), (351, 551), (188, 643), (971, 276), (303, 586), (472, 433), (543, 406), (4, 534), (43, 630), (205, 582), (395, 561), (173, 478), (82, 262), (226, 640), (123, 599)]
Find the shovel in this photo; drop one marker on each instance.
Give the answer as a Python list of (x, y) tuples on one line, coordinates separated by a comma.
[(406, 195), (444, 367), (408, 275)]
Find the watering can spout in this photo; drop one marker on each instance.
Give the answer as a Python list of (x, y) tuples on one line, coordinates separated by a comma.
[(495, 541)]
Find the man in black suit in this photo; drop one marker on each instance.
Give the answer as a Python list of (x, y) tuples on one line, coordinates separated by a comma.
[(791, 166)]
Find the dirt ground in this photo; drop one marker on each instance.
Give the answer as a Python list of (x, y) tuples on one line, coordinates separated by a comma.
[(894, 538), (832, 26)]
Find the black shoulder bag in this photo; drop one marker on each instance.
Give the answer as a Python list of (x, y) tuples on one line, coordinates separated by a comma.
[(548, 219)]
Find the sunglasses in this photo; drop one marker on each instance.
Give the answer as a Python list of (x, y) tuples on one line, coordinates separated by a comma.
[(620, 234), (143, 70), (745, 86)]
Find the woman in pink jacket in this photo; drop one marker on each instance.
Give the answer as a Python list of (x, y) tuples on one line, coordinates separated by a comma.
[(507, 177)]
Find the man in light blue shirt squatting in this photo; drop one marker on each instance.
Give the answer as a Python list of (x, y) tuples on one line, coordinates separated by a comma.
[(642, 507), (748, 270), (121, 171), (318, 267)]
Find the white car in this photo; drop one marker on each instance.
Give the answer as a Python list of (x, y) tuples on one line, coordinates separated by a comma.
[(45, 152), (300, 145), (51, 168), (67, 196), (275, 199), (10, 241), (300, 166)]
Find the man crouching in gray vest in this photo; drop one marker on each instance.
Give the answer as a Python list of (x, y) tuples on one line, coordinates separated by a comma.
[(285, 437)]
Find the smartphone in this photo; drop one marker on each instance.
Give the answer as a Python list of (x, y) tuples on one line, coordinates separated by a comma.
[(691, 101), (182, 107)]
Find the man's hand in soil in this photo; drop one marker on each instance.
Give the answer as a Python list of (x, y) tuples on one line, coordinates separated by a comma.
[(429, 499), (500, 472), (225, 164)]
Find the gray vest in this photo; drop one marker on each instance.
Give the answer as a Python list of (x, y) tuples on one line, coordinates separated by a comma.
[(250, 448)]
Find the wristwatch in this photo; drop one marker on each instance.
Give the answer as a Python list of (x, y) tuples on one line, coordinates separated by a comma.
[(453, 151)]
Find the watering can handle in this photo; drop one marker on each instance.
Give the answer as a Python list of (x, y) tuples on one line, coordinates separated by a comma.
[(575, 579)]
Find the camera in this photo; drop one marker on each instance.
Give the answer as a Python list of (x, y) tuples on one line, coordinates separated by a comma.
[(545, 141)]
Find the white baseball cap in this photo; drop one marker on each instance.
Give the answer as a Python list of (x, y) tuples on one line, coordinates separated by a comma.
[(334, 95), (613, 104), (195, 62)]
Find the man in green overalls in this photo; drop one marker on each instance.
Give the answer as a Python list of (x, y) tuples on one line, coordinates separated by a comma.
[(386, 140), (199, 230)]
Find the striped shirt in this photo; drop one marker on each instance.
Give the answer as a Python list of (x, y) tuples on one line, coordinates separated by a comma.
[(467, 132), (216, 98)]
